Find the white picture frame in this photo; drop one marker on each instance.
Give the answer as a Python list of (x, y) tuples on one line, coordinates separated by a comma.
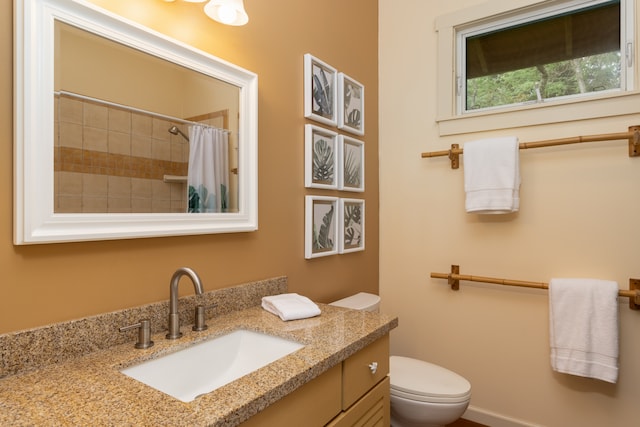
[(321, 154), (350, 105), (322, 223), (320, 91), (351, 166), (352, 215)]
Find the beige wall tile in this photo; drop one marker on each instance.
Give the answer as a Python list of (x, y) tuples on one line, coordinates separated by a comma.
[(95, 139), (94, 204), (160, 150), (141, 146), (119, 204), (141, 188), (178, 191), (70, 183), (71, 135), (160, 206), (141, 124), (94, 185), (95, 116), (119, 186), (141, 205), (69, 204), (160, 129), (70, 110), (160, 190), (119, 120), (119, 143)]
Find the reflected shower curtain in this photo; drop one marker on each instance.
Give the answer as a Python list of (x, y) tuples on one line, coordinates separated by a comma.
[(208, 178)]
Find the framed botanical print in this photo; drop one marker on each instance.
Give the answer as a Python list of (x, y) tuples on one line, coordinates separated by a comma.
[(352, 230), (321, 153), (350, 105), (320, 91), (351, 166), (321, 226)]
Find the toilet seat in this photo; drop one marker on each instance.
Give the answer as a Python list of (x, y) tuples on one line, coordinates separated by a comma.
[(425, 382)]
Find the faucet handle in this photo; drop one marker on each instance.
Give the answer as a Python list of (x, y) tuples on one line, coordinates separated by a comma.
[(144, 333), (199, 324)]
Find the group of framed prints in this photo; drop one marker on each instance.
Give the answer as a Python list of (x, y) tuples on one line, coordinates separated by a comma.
[(333, 160)]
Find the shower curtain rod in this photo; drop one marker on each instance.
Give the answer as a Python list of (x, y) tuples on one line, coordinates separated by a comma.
[(136, 110)]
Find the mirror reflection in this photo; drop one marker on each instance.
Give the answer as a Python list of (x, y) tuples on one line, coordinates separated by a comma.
[(135, 133)]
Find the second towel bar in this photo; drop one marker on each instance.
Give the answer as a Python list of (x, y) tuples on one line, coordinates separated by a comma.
[(633, 135), (454, 281)]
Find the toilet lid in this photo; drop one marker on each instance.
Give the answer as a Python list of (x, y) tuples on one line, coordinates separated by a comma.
[(426, 382)]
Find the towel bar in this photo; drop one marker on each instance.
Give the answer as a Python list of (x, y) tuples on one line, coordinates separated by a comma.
[(633, 135), (454, 281)]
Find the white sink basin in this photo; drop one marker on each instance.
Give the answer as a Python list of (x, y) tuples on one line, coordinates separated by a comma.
[(203, 367)]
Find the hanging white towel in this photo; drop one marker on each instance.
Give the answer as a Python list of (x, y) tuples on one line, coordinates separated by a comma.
[(583, 316), (492, 175), (290, 306)]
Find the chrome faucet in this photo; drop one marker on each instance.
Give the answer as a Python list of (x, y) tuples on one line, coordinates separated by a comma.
[(174, 319)]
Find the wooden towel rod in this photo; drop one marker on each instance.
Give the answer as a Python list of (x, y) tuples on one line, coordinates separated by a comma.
[(633, 135), (454, 281)]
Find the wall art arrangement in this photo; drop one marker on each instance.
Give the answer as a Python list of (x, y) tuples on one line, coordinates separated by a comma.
[(333, 225)]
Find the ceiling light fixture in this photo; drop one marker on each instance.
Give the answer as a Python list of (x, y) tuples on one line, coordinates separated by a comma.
[(228, 12)]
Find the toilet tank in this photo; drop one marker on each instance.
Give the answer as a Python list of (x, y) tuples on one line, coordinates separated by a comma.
[(360, 301)]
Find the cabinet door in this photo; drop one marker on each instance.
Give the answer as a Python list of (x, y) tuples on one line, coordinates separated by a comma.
[(358, 377), (312, 405), (371, 411)]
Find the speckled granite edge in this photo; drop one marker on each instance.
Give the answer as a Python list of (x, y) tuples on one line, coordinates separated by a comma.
[(34, 348)]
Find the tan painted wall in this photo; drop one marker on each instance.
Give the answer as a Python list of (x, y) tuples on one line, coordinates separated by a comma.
[(578, 213), (50, 283)]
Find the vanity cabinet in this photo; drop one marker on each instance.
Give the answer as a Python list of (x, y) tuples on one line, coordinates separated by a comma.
[(365, 387), (353, 393)]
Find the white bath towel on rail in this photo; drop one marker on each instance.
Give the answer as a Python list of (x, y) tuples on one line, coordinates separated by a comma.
[(492, 175), (583, 316)]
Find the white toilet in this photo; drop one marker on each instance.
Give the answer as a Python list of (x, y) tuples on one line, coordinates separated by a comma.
[(422, 394)]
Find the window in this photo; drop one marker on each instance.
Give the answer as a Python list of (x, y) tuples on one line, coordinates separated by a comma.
[(560, 51), (545, 53)]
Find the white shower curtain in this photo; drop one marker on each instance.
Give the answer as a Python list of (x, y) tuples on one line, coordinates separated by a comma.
[(208, 179)]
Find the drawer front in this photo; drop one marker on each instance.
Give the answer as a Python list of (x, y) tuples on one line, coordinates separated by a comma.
[(373, 410), (357, 375)]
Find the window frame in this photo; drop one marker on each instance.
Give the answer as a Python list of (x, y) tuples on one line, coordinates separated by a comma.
[(452, 117)]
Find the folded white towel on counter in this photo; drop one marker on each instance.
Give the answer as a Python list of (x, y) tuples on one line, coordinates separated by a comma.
[(583, 316), (290, 306), (492, 175)]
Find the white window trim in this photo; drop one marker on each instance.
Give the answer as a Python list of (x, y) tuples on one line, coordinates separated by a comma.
[(452, 122)]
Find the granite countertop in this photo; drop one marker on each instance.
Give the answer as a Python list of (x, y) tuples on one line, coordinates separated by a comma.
[(90, 390)]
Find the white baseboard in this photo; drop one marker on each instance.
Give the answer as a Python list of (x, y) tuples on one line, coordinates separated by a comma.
[(493, 419)]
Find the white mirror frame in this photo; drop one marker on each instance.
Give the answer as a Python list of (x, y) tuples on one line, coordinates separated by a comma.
[(34, 217)]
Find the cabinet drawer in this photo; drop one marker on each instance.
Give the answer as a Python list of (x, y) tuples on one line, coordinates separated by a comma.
[(357, 376), (373, 410)]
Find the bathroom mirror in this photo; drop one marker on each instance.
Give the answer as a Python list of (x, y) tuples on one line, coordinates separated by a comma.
[(104, 109)]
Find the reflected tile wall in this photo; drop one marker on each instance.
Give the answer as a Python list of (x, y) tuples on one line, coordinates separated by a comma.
[(109, 159)]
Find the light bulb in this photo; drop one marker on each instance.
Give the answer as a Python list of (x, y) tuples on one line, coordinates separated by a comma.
[(227, 14)]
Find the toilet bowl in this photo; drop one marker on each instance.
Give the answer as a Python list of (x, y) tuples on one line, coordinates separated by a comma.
[(422, 394)]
